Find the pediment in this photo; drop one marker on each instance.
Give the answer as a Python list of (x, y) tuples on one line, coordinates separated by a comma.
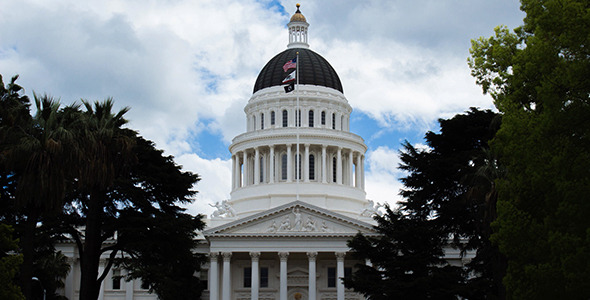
[(294, 219)]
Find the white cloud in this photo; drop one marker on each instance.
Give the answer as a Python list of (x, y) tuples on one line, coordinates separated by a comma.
[(185, 67), (214, 184), (381, 175)]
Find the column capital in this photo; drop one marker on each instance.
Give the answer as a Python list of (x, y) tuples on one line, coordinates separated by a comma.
[(340, 256), (213, 255), (306, 144), (283, 256), (255, 256), (289, 145), (226, 256), (324, 146), (312, 256)]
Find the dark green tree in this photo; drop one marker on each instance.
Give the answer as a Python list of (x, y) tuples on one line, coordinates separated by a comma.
[(406, 259), (539, 78), (9, 265), (452, 181), (447, 193)]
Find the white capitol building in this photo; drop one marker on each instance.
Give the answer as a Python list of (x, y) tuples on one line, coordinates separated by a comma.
[(297, 193)]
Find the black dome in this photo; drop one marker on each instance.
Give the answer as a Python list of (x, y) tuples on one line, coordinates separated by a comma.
[(313, 69)]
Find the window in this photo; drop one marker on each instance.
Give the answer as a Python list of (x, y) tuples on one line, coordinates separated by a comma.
[(298, 119), (272, 117), (285, 118), (310, 121), (247, 277), (116, 279), (333, 169), (311, 167), (331, 277), (333, 121), (347, 272), (264, 277), (299, 166), (323, 118), (262, 121), (284, 167)]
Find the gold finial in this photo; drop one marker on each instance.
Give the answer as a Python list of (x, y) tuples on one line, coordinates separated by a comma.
[(298, 17)]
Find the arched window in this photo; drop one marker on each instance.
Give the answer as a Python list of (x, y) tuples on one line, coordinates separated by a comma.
[(272, 117), (334, 169), (333, 121), (262, 121), (298, 118), (284, 167), (285, 118), (298, 167), (310, 116), (311, 167), (323, 118)]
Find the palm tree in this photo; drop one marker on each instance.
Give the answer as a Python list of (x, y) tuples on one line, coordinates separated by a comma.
[(106, 151), (39, 159)]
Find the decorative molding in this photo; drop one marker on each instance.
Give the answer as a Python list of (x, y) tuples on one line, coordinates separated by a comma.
[(226, 256), (255, 256), (312, 256), (283, 256)]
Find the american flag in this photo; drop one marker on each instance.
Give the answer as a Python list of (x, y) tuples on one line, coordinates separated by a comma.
[(290, 64)]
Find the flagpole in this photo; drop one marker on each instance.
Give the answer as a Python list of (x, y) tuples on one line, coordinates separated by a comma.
[(298, 124)]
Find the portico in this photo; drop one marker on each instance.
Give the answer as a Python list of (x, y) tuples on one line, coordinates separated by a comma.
[(294, 248)]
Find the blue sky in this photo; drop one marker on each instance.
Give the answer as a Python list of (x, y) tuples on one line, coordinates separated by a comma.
[(186, 68)]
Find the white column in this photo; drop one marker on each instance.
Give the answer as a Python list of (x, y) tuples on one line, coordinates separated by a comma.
[(271, 165), (340, 275), (255, 256), (101, 288), (129, 289), (283, 275), (233, 172), (339, 166), (213, 276), (226, 285), (324, 165), (238, 172), (245, 169), (350, 169), (289, 164), (306, 164), (256, 166), (358, 171), (311, 256), (69, 282)]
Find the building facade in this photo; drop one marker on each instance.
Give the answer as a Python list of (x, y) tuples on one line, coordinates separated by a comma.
[(298, 191)]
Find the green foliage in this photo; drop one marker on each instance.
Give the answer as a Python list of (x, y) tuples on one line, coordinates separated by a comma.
[(76, 167), (9, 265), (406, 260), (448, 192), (544, 143)]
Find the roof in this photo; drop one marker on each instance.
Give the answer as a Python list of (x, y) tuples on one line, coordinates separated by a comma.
[(313, 70)]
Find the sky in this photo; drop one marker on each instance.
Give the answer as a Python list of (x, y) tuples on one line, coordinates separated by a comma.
[(187, 68)]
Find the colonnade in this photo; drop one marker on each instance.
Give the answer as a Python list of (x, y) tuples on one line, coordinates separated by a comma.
[(279, 163), (226, 289)]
